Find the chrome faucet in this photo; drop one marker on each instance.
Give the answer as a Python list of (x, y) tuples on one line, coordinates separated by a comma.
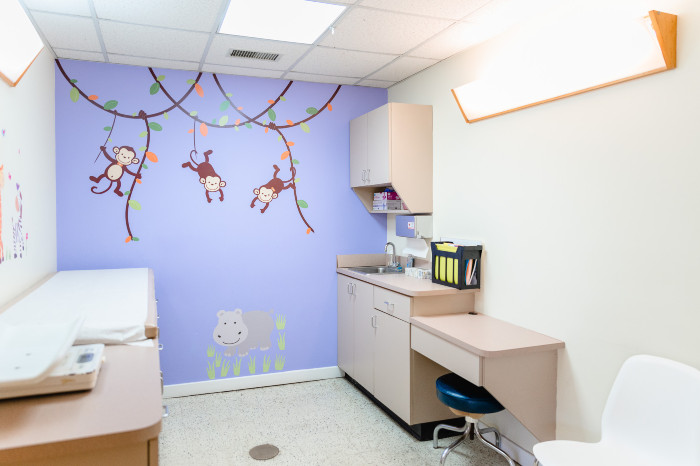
[(393, 262)]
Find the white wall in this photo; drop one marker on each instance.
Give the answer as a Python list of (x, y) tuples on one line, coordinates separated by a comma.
[(589, 211), (28, 154)]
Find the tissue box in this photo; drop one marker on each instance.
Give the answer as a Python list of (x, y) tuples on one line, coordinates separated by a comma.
[(386, 196)]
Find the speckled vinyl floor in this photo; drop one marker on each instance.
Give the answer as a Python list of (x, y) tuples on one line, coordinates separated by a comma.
[(326, 422)]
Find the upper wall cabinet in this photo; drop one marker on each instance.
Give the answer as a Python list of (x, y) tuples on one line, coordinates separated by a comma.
[(392, 146)]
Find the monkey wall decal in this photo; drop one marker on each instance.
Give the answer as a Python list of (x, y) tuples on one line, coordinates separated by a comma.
[(18, 236), (270, 190), (124, 156), (207, 175)]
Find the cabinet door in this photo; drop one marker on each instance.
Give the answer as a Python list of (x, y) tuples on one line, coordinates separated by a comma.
[(392, 376), (378, 147), (364, 335), (346, 301), (358, 151)]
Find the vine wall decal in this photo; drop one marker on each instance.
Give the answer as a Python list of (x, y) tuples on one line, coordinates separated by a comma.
[(125, 155)]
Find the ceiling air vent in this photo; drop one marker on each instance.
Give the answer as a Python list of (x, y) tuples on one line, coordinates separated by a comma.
[(255, 55)]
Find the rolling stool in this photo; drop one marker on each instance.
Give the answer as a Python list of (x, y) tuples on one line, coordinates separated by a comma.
[(466, 399)]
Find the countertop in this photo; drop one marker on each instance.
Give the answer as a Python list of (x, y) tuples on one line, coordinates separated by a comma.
[(397, 282)]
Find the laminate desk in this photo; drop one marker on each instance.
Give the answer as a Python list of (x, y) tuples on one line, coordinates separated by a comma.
[(116, 423), (516, 365)]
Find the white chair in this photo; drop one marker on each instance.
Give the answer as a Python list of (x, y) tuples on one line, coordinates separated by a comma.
[(652, 417)]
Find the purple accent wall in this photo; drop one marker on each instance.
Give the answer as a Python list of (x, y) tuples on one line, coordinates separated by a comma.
[(222, 255)]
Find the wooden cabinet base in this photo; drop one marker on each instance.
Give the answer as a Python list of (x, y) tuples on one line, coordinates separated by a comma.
[(141, 454)]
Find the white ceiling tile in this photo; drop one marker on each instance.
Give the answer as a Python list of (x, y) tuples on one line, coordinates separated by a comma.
[(382, 31), (402, 68), (193, 15), (153, 62), (454, 39), (79, 55), (375, 83), (241, 71), (145, 41), (68, 32), (319, 78), (336, 62), (68, 7), (222, 44), (502, 14), (453, 9)]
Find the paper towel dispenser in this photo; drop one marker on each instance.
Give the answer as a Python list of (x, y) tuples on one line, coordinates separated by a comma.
[(414, 226)]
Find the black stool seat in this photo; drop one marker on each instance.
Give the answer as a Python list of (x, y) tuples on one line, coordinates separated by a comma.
[(462, 395)]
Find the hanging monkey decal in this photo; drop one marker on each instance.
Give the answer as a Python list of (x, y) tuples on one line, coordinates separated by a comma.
[(207, 176), (270, 190), (124, 156)]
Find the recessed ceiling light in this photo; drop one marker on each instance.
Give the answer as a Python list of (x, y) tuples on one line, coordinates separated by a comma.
[(19, 41), (286, 20)]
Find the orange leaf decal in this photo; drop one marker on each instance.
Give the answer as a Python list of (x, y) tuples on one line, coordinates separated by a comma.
[(138, 181), (330, 107), (290, 122), (308, 230), (270, 101), (198, 89), (128, 238), (285, 154), (190, 131), (151, 156), (290, 143), (92, 97), (238, 122), (204, 129), (239, 108)]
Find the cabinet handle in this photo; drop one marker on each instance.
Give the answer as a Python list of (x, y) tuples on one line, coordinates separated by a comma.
[(373, 321), (368, 175), (389, 304), (347, 288), (364, 175), (353, 288)]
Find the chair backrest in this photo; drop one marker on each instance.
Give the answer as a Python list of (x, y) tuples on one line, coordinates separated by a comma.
[(654, 409)]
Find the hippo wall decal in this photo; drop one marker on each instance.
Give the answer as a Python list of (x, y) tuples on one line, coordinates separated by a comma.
[(243, 331)]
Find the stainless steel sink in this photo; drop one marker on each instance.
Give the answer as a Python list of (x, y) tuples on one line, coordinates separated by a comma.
[(372, 269)]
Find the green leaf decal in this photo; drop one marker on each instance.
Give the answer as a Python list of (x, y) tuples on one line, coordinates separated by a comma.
[(283, 98), (107, 128), (143, 134), (191, 81), (136, 206), (73, 81), (165, 114), (249, 126), (223, 120), (126, 193), (224, 105), (133, 114), (302, 204), (133, 238), (279, 138), (143, 148), (193, 113), (74, 94), (109, 139), (110, 104), (236, 128), (228, 94), (311, 111), (271, 114), (304, 127), (295, 161), (213, 122), (161, 77), (296, 180), (155, 87), (154, 126), (145, 166)]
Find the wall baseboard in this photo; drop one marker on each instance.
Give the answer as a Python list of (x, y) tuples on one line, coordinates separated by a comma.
[(250, 381)]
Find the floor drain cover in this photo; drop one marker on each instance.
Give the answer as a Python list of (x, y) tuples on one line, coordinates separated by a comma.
[(264, 452)]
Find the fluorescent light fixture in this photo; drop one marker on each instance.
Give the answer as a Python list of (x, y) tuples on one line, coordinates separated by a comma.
[(285, 20), (569, 58), (19, 42)]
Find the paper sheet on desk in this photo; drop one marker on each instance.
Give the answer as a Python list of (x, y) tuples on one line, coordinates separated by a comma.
[(115, 304)]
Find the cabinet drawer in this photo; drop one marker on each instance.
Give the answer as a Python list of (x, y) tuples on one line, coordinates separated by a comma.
[(394, 304), (452, 357)]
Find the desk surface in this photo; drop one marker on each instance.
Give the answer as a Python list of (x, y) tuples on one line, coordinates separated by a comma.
[(123, 408), (486, 336)]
